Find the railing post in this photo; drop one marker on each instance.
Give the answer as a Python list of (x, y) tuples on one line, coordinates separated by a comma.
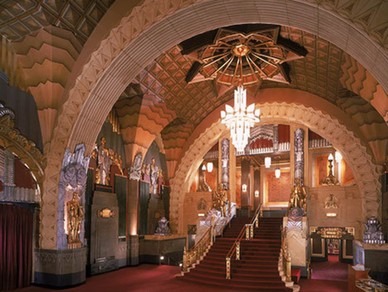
[(228, 268), (251, 228), (257, 221), (288, 267), (185, 261), (238, 250), (247, 231)]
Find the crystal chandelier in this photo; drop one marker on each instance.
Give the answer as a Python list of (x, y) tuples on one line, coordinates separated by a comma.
[(240, 119)]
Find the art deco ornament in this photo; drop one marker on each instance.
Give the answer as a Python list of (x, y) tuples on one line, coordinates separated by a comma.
[(240, 119)]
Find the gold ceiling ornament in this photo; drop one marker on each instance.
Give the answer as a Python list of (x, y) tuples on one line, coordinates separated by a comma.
[(242, 55)]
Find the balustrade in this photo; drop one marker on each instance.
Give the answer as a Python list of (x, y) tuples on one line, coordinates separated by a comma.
[(235, 250)]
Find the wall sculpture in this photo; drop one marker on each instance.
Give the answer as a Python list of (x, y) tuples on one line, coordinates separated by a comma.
[(70, 230)]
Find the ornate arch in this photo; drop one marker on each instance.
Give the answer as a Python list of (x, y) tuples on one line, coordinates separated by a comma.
[(12, 140), (364, 170), (155, 26)]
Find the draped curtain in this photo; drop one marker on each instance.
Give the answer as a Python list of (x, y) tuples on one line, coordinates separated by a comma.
[(16, 230)]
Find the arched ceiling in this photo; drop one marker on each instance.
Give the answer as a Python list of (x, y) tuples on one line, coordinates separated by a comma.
[(48, 37), (99, 54)]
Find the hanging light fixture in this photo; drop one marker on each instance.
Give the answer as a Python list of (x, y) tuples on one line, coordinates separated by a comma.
[(240, 119), (209, 166), (277, 172), (267, 162)]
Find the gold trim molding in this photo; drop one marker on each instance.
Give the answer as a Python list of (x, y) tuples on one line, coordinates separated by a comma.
[(12, 140)]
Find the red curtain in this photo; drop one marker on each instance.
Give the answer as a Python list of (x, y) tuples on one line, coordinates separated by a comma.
[(16, 228)]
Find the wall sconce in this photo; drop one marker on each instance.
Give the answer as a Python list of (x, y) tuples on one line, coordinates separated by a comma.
[(257, 194), (209, 166), (267, 162), (203, 167), (244, 188), (277, 172)]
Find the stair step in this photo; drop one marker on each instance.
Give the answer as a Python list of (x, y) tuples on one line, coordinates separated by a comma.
[(258, 268)]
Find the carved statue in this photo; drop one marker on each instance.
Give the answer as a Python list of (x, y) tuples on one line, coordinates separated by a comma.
[(202, 184), (160, 181), (75, 215), (298, 197), (104, 162), (135, 172), (220, 200), (162, 228), (154, 174), (331, 202)]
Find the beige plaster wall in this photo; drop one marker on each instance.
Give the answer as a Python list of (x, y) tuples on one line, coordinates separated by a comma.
[(349, 212), (191, 208)]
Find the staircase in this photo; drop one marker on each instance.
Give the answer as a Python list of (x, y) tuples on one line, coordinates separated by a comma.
[(258, 267)]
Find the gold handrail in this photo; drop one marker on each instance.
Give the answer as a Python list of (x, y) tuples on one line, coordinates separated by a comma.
[(192, 256), (235, 248), (286, 257)]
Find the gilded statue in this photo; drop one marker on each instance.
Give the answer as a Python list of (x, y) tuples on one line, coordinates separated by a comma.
[(298, 197), (75, 215), (220, 200)]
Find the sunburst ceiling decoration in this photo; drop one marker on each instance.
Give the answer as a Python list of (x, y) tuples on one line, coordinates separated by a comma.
[(241, 55)]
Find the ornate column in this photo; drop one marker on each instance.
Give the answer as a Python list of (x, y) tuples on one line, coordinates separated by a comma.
[(296, 222), (133, 210), (224, 169), (66, 265), (245, 186)]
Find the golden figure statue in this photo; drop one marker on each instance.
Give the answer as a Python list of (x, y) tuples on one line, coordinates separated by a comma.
[(75, 215), (220, 200), (298, 197)]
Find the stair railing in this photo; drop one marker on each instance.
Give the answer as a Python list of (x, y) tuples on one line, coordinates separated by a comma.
[(194, 255), (286, 257), (235, 249)]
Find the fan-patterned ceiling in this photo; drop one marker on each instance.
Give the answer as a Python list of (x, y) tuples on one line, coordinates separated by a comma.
[(326, 70)]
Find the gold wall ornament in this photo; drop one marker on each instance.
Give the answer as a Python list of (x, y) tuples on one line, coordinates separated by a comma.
[(106, 213), (75, 215)]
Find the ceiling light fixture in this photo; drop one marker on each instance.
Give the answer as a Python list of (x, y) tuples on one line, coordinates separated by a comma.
[(277, 172), (240, 119), (267, 162)]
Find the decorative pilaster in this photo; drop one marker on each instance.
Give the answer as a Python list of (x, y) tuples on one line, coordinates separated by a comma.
[(225, 145), (299, 155), (72, 180)]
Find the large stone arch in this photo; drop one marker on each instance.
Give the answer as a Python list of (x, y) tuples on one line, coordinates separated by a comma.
[(154, 27), (365, 171)]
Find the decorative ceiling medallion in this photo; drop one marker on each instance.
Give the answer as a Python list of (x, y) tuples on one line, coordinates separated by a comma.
[(241, 55)]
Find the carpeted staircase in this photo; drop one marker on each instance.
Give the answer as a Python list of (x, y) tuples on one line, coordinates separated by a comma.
[(258, 267)]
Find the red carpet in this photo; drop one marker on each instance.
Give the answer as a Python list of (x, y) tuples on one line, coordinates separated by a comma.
[(330, 276), (258, 268), (150, 278), (163, 278)]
